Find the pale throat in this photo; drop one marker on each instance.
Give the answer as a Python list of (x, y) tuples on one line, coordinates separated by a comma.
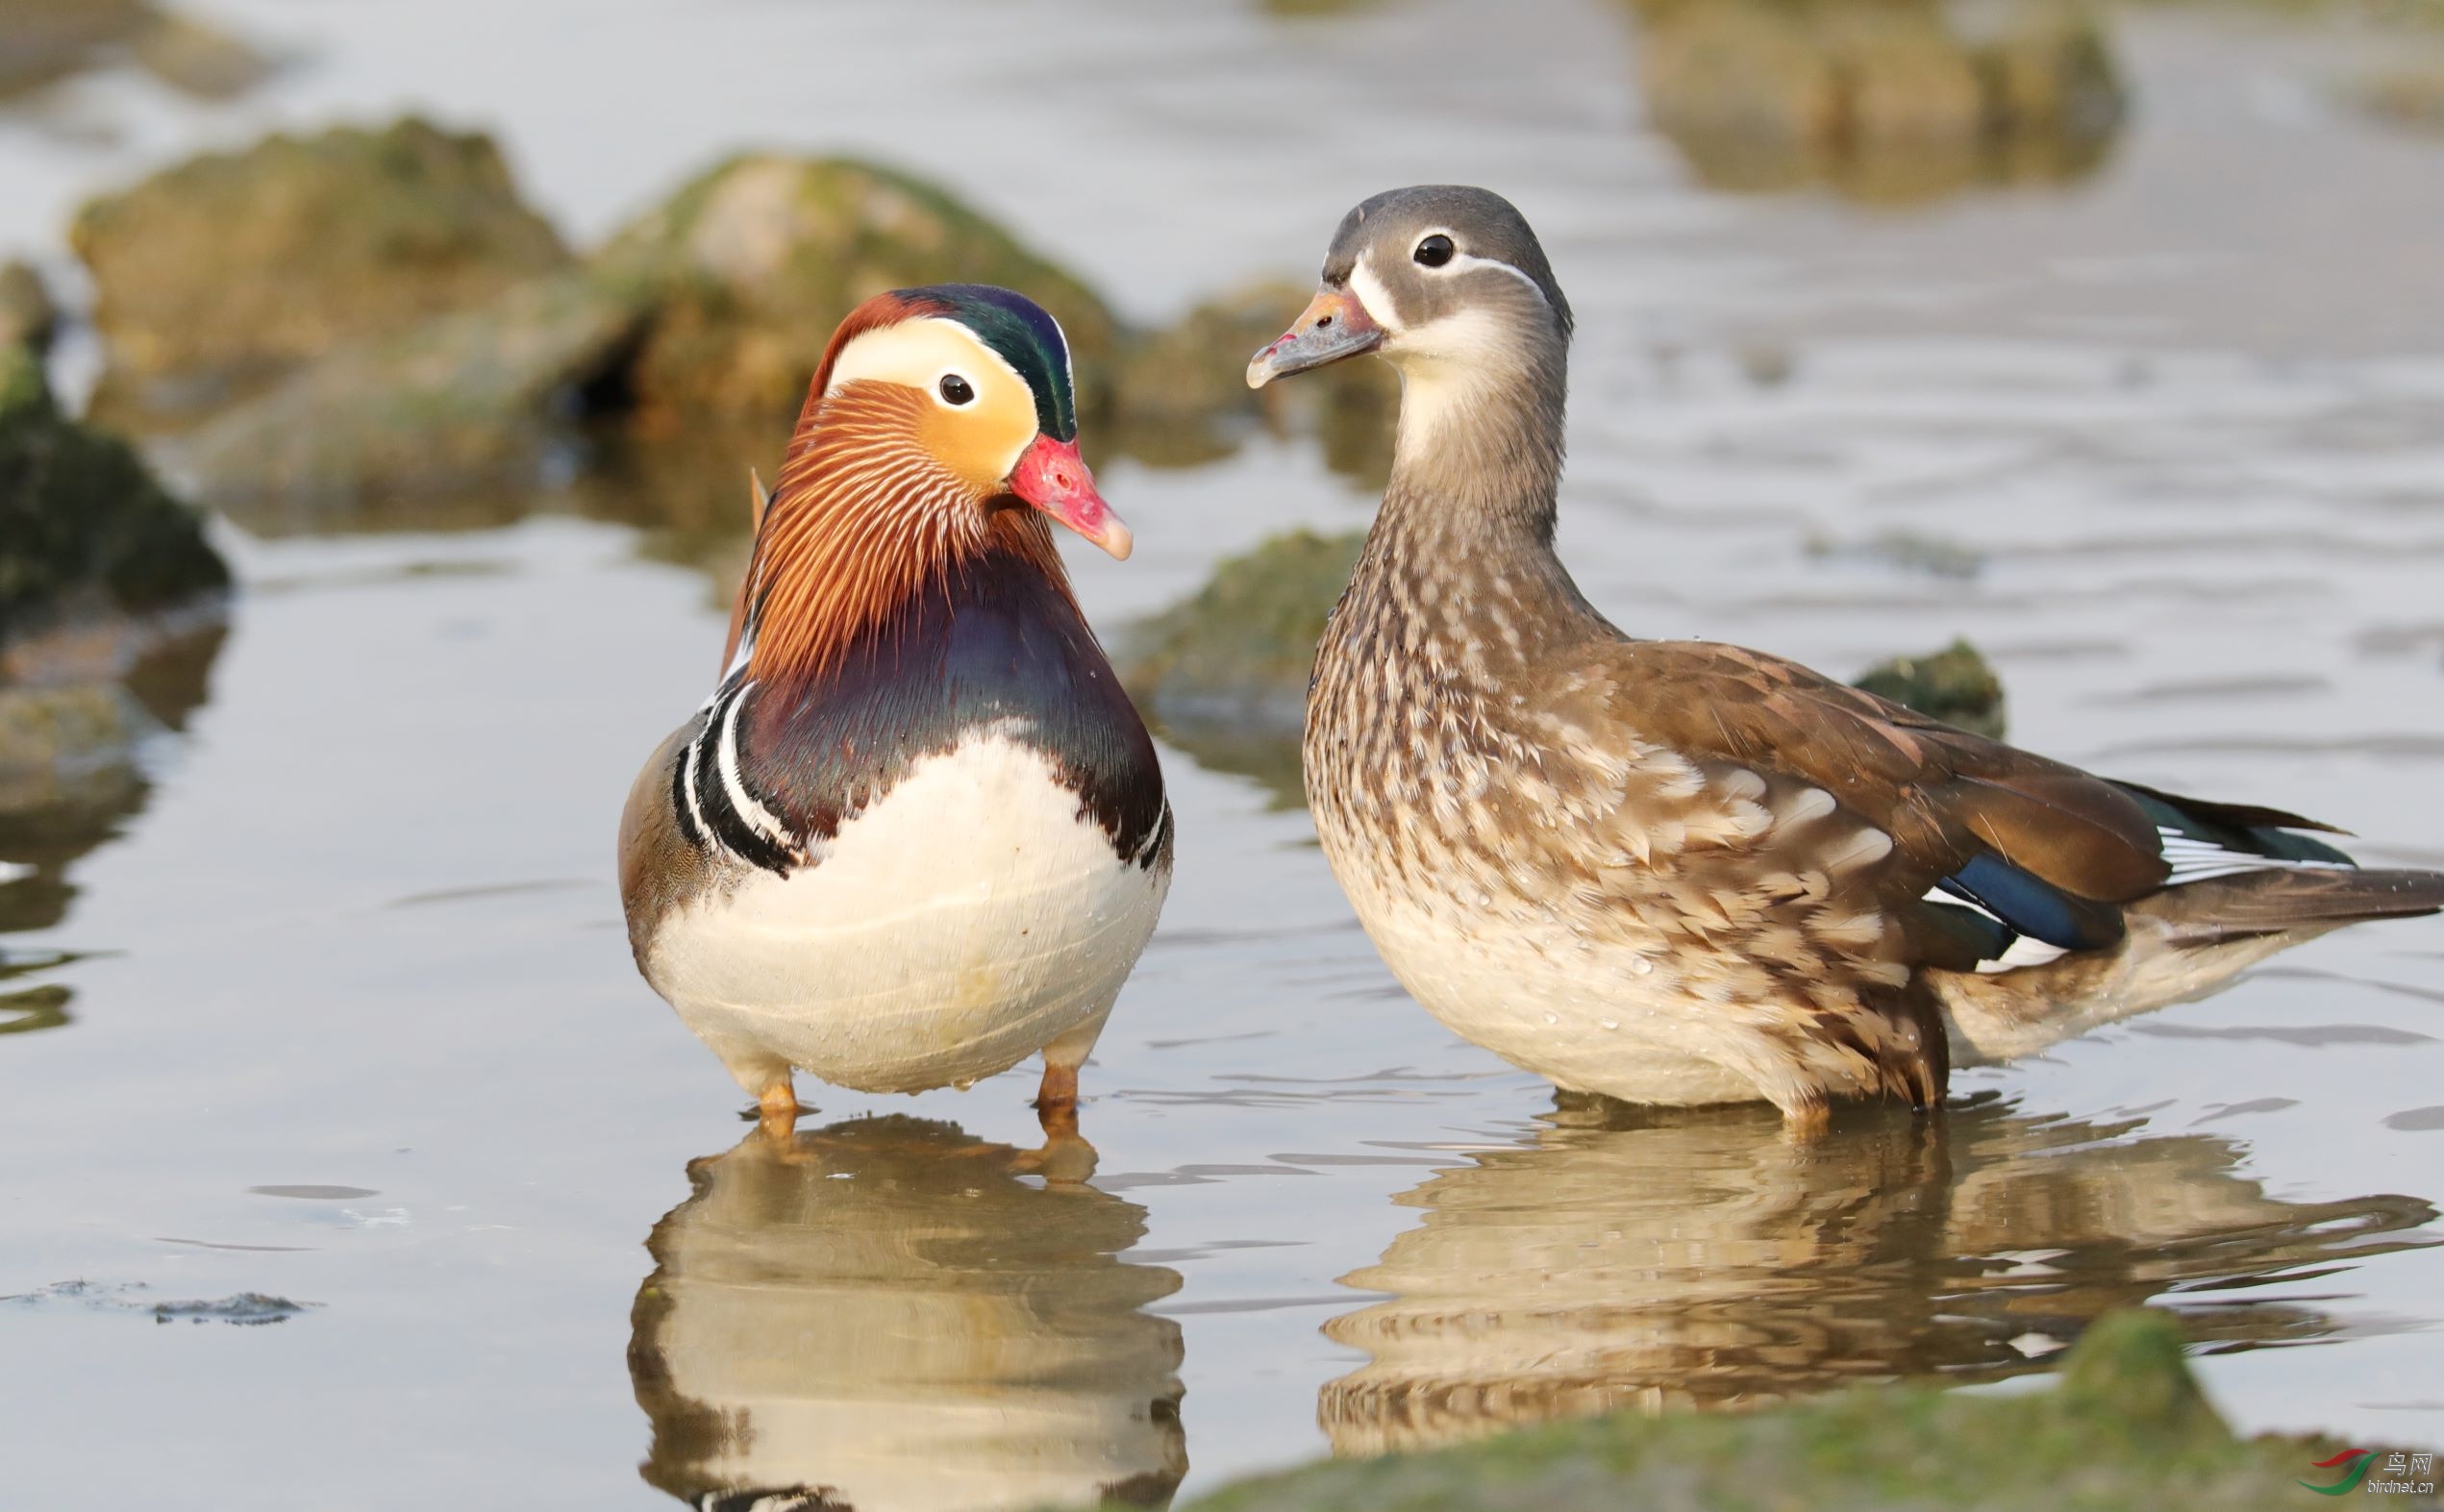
[(1444, 402), (1476, 469), (1480, 429)]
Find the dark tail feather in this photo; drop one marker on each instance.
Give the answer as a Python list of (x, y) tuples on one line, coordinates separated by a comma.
[(2237, 816), (2280, 900), (2245, 828)]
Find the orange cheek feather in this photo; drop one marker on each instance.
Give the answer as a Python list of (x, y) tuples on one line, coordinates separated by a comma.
[(979, 443)]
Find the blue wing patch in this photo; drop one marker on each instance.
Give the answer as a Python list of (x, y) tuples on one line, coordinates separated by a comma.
[(2034, 908)]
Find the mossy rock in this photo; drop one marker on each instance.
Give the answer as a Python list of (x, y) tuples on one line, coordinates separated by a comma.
[(1910, 84), (2126, 1427), (466, 404), (1742, 87), (714, 312), (1222, 674), (750, 268), (1953, 684), (231, 267), (1183, 397), (199, 59), (28, 317), (1883, 100), (43, 41), (1179, 388), (83, 525), (1240, 648)]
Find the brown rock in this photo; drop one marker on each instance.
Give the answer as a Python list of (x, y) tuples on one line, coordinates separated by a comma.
[(232, 267), (1889, 100), (750, 268)]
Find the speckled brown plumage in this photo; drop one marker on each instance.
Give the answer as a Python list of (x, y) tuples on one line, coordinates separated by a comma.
[(1483, 751), (1683, 872)]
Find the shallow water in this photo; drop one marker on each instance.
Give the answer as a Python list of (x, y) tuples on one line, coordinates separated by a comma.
[(338, 1010)]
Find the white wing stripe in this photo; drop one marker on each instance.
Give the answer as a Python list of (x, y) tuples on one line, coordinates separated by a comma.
[(2025, 951), (2196, 860)]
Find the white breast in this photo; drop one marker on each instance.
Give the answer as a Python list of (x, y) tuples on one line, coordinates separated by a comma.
[(974, 916), (1613, 1016)]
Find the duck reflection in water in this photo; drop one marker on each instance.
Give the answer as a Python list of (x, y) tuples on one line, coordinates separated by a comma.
[(1656, 1261), (888, 1314)]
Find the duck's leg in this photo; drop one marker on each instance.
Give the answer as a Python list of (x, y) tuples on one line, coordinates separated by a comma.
[(1805, 1122), (1057, 1099), (776, 1110), (766, 1078), (1065, 1156)]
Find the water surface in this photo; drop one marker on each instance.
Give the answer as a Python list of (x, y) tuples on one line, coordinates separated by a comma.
[(335, 1005)]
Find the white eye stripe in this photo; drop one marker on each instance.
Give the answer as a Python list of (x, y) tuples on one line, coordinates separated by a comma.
[(1460, 260), (1373, 296), (1470, 259), (919, 353)]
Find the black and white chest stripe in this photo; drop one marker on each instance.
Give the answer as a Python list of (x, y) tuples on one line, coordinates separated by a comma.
[(709, 789), (719, 809), (770, 787)]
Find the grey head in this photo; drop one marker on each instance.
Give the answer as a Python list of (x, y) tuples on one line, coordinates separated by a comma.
[(1438, 273)]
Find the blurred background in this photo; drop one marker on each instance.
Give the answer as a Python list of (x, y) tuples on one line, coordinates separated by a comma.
[(378, 382)]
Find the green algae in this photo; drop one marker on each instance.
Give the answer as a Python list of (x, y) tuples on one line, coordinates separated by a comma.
[(2125, 1427)]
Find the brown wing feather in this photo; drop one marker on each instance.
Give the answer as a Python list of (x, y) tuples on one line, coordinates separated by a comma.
[(1942, 793)]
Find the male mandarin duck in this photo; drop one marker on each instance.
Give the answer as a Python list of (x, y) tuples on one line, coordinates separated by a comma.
[(1681, 873), (917, 833)]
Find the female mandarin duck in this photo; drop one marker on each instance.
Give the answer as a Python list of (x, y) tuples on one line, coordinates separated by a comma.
[(917, 833), (1683, 872)]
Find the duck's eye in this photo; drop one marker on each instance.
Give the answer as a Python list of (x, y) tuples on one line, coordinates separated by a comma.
[(956, 390), (1434, 251)]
